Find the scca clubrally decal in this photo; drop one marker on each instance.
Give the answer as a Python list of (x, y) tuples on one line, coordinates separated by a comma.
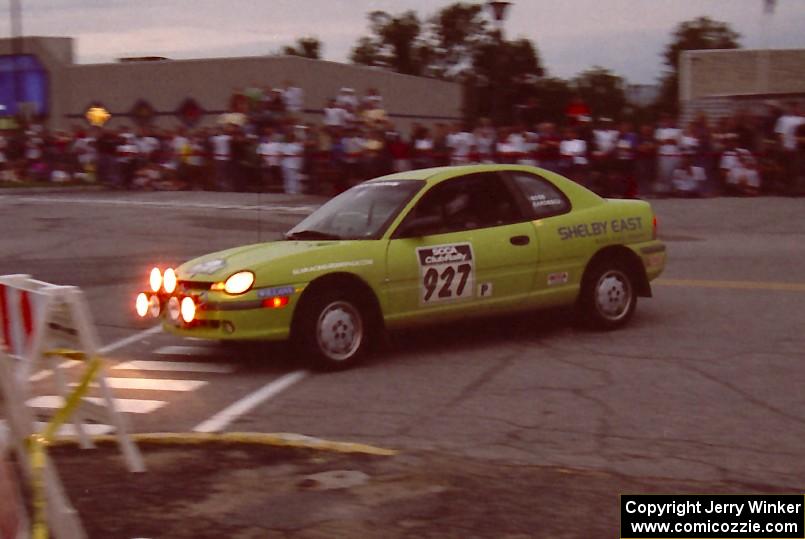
[(447, 273)]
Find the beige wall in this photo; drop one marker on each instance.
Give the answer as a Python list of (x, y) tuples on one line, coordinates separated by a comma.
[(741, 72), (165, 84), (720, 82)]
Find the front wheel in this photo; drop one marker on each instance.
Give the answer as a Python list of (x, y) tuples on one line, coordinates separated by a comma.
[(608, 299), (332, 331)]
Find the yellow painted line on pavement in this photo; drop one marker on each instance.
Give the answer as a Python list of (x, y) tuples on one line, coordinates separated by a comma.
[(734, 285)]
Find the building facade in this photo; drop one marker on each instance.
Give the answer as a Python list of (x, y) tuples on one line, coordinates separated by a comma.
[(39, 76), (722, 82)]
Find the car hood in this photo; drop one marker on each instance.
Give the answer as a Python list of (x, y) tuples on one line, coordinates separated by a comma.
[(272, 261)]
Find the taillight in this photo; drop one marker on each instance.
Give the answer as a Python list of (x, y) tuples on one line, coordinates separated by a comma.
[(654, 228)]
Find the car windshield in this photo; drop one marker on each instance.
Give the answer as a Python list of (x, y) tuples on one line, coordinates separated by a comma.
[(363, 212)]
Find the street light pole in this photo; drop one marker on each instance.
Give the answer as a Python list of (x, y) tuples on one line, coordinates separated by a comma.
[(15, 13), (498, 9)]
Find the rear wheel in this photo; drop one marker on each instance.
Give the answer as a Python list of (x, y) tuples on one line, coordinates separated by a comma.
[(608, 298), (331, 330)]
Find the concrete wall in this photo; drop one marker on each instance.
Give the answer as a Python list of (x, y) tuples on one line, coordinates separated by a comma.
[(719, 82), (166, 84)]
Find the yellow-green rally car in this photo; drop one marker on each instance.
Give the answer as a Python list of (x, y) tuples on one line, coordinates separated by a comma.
[(418, 247)]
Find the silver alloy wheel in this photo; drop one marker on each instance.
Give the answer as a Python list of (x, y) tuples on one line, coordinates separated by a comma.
[(339, 330), (613, 295)]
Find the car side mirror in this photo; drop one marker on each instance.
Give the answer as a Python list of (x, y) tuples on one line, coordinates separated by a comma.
[(415, 226)]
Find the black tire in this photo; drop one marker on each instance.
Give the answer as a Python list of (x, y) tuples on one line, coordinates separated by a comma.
[(331, 330), (608, 295)]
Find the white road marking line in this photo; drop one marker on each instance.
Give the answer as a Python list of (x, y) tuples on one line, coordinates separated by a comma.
[(302, 208), (68, 429), (129, 406), (219, 421), (128, 340), (175, 366), (185, 351), (152, 384), (111, 347)]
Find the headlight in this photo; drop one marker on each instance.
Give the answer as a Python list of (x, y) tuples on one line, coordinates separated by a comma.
[(188, 310), (237, 283), (155, 280), (169, 281)]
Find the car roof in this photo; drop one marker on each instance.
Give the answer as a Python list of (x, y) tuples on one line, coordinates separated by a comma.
[(439, 174), (436, 174)]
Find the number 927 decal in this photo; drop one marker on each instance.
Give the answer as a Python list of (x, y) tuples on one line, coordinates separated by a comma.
[(447, 273)]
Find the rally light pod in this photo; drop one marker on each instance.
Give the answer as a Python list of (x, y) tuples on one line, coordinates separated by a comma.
[(155, 280), (154, 306), (141, 305), (169, 281), (174, 309)]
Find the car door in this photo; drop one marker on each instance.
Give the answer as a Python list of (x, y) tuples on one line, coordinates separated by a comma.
[(561, 263), (466, 246)]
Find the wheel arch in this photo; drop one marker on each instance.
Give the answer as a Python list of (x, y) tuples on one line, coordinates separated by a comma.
[(633, 263), (347, 282)]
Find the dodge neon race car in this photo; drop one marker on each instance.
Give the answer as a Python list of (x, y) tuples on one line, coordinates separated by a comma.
[(418, 247)]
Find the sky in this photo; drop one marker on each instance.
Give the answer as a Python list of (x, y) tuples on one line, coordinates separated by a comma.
[(626, 36)]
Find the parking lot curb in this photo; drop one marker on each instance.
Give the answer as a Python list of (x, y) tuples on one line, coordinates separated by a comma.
[(278, 439)]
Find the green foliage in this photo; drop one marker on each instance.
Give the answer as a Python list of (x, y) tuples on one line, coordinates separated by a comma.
[(456, 43), (307, 47), (602, 90), (395, 43)]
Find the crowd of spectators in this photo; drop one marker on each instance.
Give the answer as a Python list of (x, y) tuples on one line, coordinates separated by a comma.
[(263, 144)]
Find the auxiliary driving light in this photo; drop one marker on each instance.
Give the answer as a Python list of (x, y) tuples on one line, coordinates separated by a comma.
[(154, 306), (173, 308), (169, 281), (155, 280), (188, 310), (141, 305)]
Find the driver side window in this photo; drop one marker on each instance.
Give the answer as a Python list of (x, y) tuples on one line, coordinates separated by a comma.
[(467, 203)]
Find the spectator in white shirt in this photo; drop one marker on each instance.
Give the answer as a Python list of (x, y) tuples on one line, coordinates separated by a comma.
[(294, 98), (688, 180), (742, 177), (222, 154), (270, 151), (786, 129), (346, 98), (573, 156), (461, 143), (292, 156), (335, 115), (667, 137)]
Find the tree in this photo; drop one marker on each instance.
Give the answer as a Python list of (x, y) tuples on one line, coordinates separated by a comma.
[(505, 70), (696, 34), (307, 47), (453, 33), (602, 90), (395, 43), (455, 43)]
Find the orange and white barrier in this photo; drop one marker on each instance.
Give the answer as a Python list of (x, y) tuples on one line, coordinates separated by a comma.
[(42, 322), (17, 315)]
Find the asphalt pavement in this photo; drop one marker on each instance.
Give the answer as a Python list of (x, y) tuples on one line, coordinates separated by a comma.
[(705, 384)]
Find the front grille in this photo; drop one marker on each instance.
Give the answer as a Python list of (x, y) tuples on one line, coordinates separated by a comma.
[(194, 285)]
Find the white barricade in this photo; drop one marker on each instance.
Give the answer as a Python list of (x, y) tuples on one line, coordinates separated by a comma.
[(43, 324), (13, 520)]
